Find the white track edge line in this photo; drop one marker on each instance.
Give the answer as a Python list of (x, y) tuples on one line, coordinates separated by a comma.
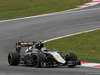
[(70, 35), (48, 14), (43, 15)]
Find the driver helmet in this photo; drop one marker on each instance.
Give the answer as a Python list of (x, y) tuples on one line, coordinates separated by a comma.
[(39, 45)]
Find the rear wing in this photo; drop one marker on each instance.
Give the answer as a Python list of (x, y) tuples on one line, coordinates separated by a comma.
[(23, 44)]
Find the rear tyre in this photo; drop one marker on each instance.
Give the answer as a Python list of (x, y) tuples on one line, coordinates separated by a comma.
[(39, 60), (13, 58), (71, 56)]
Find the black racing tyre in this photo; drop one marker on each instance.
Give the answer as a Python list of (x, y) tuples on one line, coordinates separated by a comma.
[(13, 58), (39, 60), (71, 56)]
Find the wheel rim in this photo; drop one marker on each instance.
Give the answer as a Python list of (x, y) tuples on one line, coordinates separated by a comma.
[(68, 57), (10, 58), (36, 60)]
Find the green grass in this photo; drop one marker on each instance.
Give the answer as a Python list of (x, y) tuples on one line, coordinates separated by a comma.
[(10, 9), (85, 45)]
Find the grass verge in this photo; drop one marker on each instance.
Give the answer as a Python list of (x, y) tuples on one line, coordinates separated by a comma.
[(85, 45), (10, 9)]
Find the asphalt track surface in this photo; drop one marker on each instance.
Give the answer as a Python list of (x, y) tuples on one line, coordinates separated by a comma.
[(44, 28)]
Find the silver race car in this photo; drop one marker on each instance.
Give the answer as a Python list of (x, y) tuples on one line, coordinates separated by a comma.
[(37, 55)]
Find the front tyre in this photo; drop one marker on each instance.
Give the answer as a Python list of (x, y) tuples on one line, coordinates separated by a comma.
[(71, 59), (13, 58)]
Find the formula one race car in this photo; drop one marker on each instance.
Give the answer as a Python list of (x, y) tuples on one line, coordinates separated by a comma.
[(37, 55)]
